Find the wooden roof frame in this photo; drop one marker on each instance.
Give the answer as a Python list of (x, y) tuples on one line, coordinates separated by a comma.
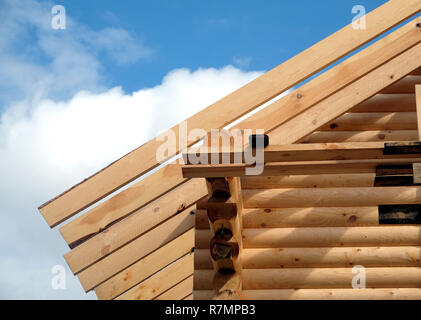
[(102, 259)]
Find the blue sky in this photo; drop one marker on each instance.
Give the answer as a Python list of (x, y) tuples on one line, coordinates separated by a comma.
[(74, 100), (191, 34)]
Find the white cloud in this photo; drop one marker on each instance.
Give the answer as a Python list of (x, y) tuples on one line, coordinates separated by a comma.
[(63, 124), (47, 146), (56, 63)]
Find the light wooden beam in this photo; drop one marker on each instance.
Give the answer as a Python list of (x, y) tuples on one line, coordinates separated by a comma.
[(320, 278), (306, 152), (323, 257), (296, 168), (325, 294)]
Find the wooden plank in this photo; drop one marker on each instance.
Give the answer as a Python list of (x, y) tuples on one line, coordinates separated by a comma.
[(330, 197), (332, 237), (401, 277), (308, 181), (161, 281), (135, 225), (373, 121), (404, 102), (295, 168), (179, 291), (321, 278), (146, 267), (310, 217), (324, 257), (308, 152), (350, 96), (418, 102), (305, 217), (406, 85), (334, 294), (360, 136), (135, 250), (223, 112), (122, 204), (269, 258)]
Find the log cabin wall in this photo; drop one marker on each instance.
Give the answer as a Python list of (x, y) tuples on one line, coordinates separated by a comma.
[(302, 234)]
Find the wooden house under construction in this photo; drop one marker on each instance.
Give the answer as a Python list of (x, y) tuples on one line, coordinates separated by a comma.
[(339, 195)]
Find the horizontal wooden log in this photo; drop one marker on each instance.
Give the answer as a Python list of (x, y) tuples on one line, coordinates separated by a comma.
[(136, 250), (304, 217), (360, 136), (146, 267), (323, 257), (330, 197), (308, 181), (334, 294), (406, 85), (332, 237), (323, 294), (179, 291), (331, 257), (373, 121), (387, 103), (319, 278), (296, 168), (304, 152), (310, 217), (161, 281)]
